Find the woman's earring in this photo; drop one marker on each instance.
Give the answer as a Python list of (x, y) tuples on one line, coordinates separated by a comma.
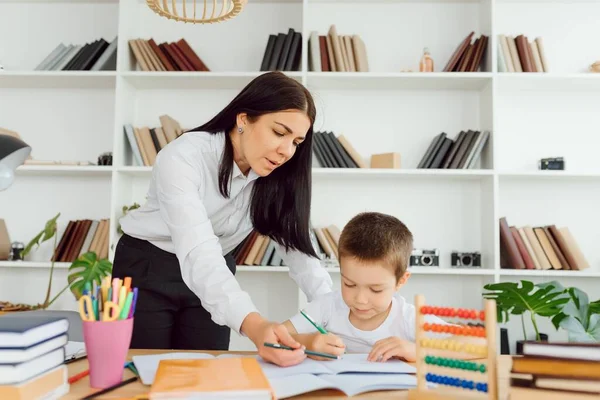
[(240, 130)]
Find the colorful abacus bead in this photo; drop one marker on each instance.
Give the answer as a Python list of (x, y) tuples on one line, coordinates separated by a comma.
[(457, 382)]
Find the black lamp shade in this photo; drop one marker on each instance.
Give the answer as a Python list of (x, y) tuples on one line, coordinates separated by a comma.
[(13, 152)]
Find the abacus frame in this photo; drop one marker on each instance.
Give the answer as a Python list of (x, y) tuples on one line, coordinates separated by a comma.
[(422, 391)]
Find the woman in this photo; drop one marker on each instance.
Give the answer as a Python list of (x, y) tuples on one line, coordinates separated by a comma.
[(249, 167)]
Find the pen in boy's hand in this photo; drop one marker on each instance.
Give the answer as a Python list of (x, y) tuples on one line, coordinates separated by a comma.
[(310, 352), (312, 321)]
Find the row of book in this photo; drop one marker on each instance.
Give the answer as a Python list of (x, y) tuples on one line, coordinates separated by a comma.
[(336, 52), (539, 247), (335, 152), (469, 54), (519, 54), (283, 52), (260, 250), (174, 56), (98, 55), (555, 371), (462, 152), (146, 142), (81, 236), (32, 356)]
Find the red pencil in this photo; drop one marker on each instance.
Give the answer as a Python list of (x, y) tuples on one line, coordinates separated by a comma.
[(77, 377)]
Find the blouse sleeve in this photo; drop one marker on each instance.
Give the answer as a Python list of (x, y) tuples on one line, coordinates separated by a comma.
[(203, 267), (307, 272)]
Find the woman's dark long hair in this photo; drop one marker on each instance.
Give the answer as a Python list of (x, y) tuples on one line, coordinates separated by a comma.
[(280, 205)]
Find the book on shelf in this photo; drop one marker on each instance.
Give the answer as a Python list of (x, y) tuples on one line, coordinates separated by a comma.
[(556, 370), (462, 152), (98, 55), (337, 52), (539, 247), (283, 52), (335, 152), (81, 236), (469, 54), (519, 54), (260, 250), (165, 56), (146, 142)]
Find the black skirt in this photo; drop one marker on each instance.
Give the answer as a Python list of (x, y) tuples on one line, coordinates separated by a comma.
[(168, 315)]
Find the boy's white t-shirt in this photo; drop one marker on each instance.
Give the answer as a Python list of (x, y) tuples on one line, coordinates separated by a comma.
[(330, 311)]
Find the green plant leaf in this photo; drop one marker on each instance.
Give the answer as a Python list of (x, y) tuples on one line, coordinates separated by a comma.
[(577, 333), (594, 327), (87, 269), (595, 307), (46, 234), (513, 299)]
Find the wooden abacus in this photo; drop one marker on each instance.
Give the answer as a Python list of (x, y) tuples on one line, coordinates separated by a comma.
[(455, 378)]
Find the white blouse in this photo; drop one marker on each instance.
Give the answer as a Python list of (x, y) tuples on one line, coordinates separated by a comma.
[(186, 214)]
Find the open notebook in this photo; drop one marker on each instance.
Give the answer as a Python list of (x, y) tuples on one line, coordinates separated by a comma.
[(309, 375), (350, 363), (349, 384)]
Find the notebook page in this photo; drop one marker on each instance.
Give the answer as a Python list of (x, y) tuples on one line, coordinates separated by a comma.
[(359, 363), (353, 384), (148, 364), (308, 366), (293, 385)]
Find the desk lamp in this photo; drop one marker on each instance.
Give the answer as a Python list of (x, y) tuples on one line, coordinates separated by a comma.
[(13, 152)]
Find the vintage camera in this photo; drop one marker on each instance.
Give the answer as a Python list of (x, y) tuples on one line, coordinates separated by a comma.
[(425, 258), (556, 163), (465, 259), (105, 158)]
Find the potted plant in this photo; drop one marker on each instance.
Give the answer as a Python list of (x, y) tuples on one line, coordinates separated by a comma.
[(537, 300), (86, 269), (578, 317)]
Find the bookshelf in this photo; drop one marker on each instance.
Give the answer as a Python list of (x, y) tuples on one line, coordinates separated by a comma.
[(70, 115)]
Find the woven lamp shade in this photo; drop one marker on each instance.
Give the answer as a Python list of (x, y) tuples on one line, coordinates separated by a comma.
[(197, 11)]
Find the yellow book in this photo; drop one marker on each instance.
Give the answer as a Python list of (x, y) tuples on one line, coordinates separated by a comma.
[(222, 378)]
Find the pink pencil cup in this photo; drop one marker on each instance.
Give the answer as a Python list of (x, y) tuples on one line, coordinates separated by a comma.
[(107, 344)]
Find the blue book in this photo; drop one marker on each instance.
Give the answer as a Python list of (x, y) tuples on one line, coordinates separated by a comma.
[(22, 330)]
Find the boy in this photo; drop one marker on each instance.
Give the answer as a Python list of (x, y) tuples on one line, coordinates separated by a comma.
[(366, 316)]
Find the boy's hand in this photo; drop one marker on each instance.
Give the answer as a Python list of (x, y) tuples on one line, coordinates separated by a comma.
[(385, 349), (326, 343)]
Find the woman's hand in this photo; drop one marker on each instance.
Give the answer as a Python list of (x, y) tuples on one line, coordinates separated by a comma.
[(385, 349), (259, 330), (326, 343)]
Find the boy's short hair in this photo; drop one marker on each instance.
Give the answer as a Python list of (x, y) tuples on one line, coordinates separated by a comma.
[(374, 236)]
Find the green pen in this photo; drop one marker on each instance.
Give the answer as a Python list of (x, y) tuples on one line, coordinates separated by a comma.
[(312, 321), (310, 352)]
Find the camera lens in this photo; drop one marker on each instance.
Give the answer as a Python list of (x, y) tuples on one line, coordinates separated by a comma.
[(427, 260), (466, 260)]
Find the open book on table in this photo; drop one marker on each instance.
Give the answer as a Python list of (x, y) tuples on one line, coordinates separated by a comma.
[(348, 383), (350, 363)]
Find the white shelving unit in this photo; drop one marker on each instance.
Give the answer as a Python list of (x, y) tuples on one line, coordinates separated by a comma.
[(80, 114)]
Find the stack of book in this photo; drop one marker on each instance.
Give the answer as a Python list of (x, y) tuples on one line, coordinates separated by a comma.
[(146, 142), (81, 236), (462, 152), (335, 152), (175, 56), (539, 247), (334, 52), (98, 55), (518, 54), (468, 55), (260, 250), (556, 371), (32, 357), (283, 52)]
